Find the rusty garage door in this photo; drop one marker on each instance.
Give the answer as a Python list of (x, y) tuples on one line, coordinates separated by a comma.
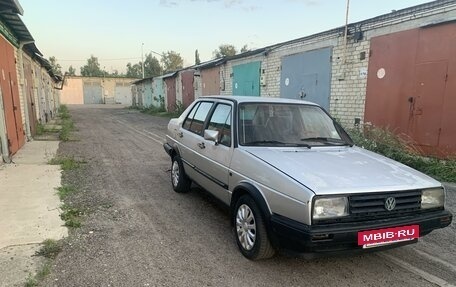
[(210, 79), (171, 93), (411, 86), (10, 92), (188, 92)]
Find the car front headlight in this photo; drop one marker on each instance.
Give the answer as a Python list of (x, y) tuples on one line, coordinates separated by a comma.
[(432, 198), (330, 207)]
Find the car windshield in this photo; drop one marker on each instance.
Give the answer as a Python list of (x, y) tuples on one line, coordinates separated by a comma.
[(278, 124)]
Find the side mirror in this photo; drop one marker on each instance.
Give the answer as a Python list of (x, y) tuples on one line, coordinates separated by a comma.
[(211, 135)]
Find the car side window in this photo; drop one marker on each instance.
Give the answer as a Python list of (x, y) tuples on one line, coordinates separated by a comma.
[(221, 121), (189, 119), (196, 118)]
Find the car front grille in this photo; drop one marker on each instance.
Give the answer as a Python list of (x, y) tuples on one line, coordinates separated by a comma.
[(371, 206)]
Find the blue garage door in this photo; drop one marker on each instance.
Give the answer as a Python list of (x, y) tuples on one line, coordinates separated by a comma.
[(307, 76), (246, 79), (93, 93)]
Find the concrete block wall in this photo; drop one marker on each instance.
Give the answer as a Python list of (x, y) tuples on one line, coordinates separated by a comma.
[(197, 85), (178, 79), (349, 81), (20, 82)]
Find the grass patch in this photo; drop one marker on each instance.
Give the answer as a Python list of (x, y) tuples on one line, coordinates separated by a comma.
[(385, 142), (161, 109), (40, 129), (49, 249), (63, 112), (66, 163), (67, 128), (71, 216), (66, 122), (64, 191), (44, 271)]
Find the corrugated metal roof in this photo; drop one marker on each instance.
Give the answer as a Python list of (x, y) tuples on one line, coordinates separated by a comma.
[(11, 6), (170, 74), (15, 24), (209, 64)]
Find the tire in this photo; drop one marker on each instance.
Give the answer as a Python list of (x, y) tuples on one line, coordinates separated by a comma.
[(250, 231), (179, 180)]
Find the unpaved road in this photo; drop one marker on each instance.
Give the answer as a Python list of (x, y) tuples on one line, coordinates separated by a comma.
[(138, 232)]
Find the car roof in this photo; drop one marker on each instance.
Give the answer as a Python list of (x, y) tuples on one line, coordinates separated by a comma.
[(249, 99)]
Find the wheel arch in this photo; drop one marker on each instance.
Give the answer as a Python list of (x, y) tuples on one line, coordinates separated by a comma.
[(247, 188), (174, 151)]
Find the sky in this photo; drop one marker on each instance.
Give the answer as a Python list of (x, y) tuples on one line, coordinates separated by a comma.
[(118, 32)]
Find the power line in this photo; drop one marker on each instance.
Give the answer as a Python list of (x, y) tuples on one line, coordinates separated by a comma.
[(114, 59)]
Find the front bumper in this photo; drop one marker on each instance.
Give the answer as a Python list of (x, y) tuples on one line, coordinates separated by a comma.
[(343, 237)]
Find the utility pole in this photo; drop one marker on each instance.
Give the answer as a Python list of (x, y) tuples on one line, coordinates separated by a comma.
[(142, 59)]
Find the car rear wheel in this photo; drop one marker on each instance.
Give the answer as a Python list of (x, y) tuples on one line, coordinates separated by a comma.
[(250, 230), (181, 183)]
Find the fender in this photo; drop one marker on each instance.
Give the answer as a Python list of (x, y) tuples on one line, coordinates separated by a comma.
[(247, 188)]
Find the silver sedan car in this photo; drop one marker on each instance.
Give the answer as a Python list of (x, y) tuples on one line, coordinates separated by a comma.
[(293, 179)]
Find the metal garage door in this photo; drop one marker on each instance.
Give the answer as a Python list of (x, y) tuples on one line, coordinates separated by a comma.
[(307, 76), (246, 79), (123, 95), (411, 87), (10, 93), (92, 93)]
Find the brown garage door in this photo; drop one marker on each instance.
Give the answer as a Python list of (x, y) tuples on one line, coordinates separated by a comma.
[(10, 92), (411, 86)]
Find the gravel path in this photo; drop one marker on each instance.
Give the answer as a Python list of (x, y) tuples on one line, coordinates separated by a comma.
[(138, 232)]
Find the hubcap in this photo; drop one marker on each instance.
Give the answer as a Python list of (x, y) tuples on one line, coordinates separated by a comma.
[(175, 173), (245, 227)]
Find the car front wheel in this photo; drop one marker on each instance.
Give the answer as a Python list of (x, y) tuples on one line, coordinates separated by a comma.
[(181, 183), (250, 230)]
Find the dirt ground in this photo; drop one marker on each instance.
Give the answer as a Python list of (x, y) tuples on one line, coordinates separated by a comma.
[(138, 232)]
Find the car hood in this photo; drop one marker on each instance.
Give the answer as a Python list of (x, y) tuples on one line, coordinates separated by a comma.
[(336, 170)]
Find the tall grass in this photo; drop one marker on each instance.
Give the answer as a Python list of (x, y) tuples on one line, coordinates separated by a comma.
[(402, 149)]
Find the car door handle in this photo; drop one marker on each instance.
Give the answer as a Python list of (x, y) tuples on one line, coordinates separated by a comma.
[(201, 145)]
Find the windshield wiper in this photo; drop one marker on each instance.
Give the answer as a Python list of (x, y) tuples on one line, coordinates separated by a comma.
[(264, 142), (332, 141)]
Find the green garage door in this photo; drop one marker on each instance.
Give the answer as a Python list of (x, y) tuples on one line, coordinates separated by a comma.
[(246, 79)]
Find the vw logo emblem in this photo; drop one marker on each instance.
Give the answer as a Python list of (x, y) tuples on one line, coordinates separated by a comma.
[(390, 203)]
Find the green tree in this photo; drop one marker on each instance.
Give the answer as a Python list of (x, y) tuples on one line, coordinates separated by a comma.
[(92, 68), (172, 61), (71, 71), (152, 66), (224, 50), (197, 58), (134, 70), (245, 49), (56, 68)]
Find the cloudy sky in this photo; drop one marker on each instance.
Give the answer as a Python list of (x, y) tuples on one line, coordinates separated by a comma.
[(116, 31)]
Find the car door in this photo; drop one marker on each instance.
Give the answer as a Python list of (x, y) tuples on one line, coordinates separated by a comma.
[(216, 155), (191, 137)]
